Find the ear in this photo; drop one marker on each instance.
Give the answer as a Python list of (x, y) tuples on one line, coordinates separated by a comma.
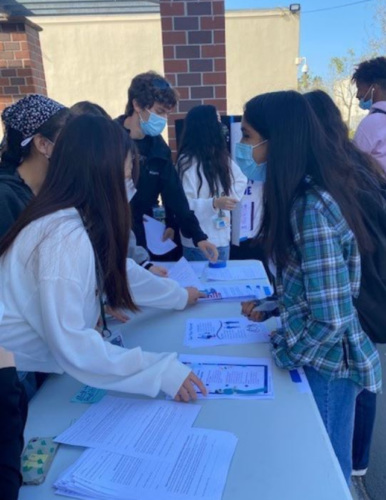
[(42, 144), (136, 106)]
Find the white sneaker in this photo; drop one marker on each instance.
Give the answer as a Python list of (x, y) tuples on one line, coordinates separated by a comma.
[(359, 472)]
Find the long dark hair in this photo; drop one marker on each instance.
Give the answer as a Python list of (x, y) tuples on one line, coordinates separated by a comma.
[(12, 153), (87, 172), (370, 175), (297, 147), (203, 141)]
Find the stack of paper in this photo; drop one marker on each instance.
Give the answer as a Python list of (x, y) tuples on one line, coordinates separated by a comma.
[(199, 471), (142, 450)]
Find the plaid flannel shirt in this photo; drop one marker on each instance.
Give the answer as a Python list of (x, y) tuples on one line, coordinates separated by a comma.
[(320, 326)]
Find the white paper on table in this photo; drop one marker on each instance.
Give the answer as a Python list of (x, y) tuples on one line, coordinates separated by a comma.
[(183, 273), (230, 377), (199, 471), (154, 231), (149, 428), (242, 272), (224, 331), (235, 292), (197, 266)]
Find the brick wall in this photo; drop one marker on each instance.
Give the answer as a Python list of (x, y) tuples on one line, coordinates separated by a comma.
[(193, 36), (21, 64)]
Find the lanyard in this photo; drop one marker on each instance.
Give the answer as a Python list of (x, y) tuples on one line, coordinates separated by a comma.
[(106, 332)]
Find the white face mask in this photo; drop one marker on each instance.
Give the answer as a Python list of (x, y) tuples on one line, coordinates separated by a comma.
[(130, 189)]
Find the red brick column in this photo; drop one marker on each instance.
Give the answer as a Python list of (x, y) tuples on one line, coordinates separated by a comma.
[(21, 63), (193, 36)]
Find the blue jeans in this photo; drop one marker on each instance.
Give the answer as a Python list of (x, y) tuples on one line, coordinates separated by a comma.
[(196, 254), (336, 402), (365, 408)]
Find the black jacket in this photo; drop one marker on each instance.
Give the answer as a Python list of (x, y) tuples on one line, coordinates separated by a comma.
[(15, 195), (159, 177), (13, 414), (371, 302)]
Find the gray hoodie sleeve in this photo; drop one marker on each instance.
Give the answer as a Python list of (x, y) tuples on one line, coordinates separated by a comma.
[(135, 252)]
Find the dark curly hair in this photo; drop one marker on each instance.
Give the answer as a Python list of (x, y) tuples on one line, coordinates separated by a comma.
[(371, 71), (148, 88)]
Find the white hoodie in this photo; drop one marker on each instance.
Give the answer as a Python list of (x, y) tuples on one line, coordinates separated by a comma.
[(202, 204), (48, 288)]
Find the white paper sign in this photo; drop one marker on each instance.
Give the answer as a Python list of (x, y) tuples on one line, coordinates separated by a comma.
[(224, 331), (232, 378)]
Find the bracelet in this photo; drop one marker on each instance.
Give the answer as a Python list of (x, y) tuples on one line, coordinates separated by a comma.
[(148, 266)]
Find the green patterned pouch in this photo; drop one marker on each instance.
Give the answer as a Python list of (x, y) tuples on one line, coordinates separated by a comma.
[(36, 459)]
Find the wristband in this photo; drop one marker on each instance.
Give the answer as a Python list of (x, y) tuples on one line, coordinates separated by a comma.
[(148, 266)]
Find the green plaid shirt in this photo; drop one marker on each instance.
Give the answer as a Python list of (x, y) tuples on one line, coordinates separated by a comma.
[(320, 326)]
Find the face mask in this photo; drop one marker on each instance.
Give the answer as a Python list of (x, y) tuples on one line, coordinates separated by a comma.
[(367, 104), (244, 159), (154, 125), (130, 189)]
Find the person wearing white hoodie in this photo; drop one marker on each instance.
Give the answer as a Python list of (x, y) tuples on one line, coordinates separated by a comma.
[(67, 249), (212, 182)]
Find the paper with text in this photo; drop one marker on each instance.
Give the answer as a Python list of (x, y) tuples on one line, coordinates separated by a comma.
[(224, 331), (154, 231), (242, 272), (150, 428), (183, 273), (231, 377), (199, 471), (235, 292)]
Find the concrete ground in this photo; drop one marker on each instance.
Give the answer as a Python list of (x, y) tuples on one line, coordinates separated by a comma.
[(375, 479), (373, 485)]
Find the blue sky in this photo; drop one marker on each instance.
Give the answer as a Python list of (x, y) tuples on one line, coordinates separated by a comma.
[(324, 34)]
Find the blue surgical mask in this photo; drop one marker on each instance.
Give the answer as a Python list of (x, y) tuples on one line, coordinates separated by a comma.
[(154, 125), (367, 104), (244, 159)]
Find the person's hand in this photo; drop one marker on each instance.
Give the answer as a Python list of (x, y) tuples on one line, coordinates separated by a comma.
[(210, 251), (247, 307), (118, 314), (224, 203), (248, 310), (159, 271), (194, 294), (7, 359), (187, 392), (168, 234)]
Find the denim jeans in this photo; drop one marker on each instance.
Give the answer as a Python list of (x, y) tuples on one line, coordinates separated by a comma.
[(365, 409), (196, 254), (336, 402)]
